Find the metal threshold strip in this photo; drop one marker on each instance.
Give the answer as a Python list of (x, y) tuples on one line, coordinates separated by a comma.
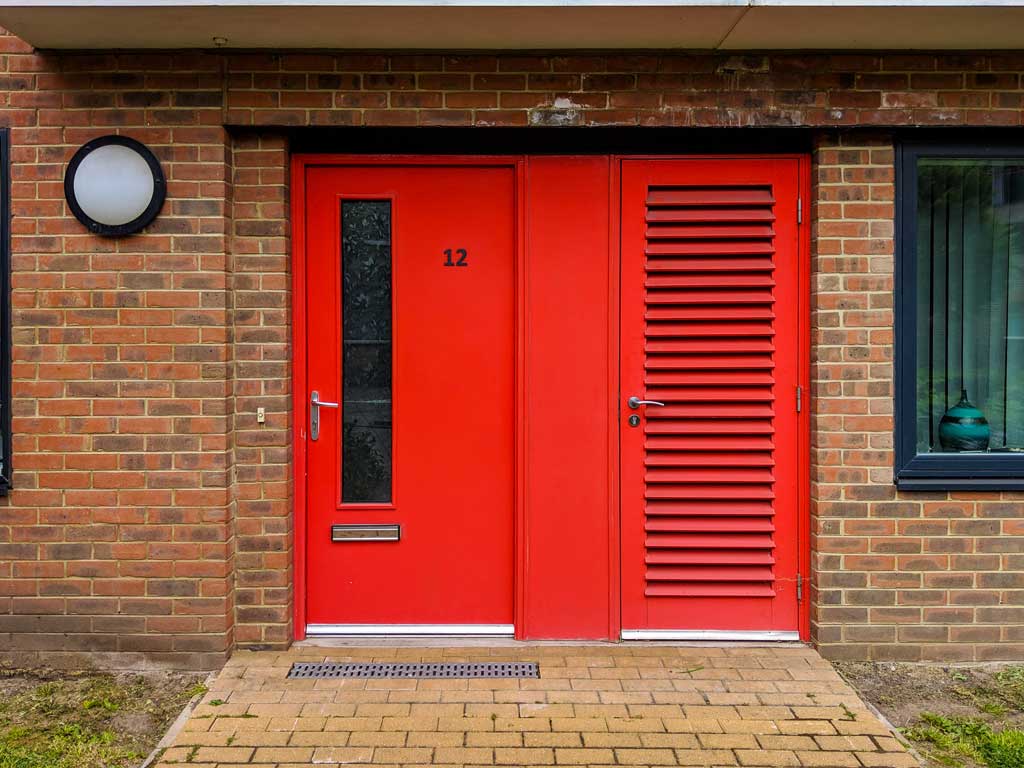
[(721, 635), (407, 630), (424, 670)]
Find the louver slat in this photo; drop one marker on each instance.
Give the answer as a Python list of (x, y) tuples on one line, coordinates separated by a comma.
[(709, 453)]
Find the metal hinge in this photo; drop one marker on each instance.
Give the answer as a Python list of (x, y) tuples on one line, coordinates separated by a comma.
[(799, 399), (799, 587), (799, 210)]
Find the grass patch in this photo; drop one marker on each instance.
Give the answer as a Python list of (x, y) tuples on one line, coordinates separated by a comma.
[(952, 740), (86, 720)]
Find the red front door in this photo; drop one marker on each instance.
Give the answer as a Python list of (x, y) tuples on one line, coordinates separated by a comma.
[(411, 333), (710, 467)]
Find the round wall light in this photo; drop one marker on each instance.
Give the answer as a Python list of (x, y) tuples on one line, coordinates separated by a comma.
[(115, 186)]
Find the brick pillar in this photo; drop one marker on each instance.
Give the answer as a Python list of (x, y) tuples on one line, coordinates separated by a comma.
[(262, 378)]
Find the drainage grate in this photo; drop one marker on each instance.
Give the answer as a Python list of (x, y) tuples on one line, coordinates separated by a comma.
[(502, 669)]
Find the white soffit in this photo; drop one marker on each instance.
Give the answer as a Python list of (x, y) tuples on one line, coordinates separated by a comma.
[(518, 24)]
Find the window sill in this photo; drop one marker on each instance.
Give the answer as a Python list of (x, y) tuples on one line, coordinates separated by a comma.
[(960, 483)]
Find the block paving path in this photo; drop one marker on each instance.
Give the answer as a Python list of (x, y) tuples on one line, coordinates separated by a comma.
[(593, 705)]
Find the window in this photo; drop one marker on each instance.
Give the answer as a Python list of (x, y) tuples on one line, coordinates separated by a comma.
[(960, 318), (366, 355), (5, 312)]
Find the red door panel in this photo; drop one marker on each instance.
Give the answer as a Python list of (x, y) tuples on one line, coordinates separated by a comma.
[(450, 369), (710, 328)]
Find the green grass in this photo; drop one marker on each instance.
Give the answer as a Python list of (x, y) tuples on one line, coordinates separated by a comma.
[(954, 739), (76, 721)]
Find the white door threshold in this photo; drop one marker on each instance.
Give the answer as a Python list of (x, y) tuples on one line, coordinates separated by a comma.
[(410, 630), (710, 634)]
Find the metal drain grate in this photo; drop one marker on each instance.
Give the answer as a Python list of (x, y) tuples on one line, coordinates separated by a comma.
[(499, 669)]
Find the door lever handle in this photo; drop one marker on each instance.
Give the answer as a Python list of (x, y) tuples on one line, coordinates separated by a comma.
[(635, 402), (315, 404)]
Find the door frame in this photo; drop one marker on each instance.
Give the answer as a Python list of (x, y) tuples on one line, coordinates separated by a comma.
[(300, 164), (803, 374)]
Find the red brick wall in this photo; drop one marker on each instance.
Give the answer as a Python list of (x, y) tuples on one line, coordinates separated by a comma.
[(898, 575), (152, 514)]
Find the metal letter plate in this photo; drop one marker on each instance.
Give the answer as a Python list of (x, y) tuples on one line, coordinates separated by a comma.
[(366, 532), (501, 669)]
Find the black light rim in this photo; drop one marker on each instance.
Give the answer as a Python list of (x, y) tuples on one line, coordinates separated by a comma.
[(144, 219)]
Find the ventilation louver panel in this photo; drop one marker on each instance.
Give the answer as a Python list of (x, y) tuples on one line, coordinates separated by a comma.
[(709, 356)]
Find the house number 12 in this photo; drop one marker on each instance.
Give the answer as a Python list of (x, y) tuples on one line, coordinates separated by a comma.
[(460, 260)]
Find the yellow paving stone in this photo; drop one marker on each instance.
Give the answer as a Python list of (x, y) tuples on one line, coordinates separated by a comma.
[(417, 723), (711, 713), (865, 724), (887, 743), (583, 756), (261, 739), (727, 740), (775, 758), (491, 739), (353, 724), (342, 755), (705, 757), (848, 743), (523, 756), (402, 754), (320, 739), (671, 740), (600, 739), (465, 724), (437, 710), (433, 739), (328, 709), (557, 739), (223, 754), (645, 756), (544, 709), (752, 726), (522, 724), (378, 739), (828, 759), (770, 741), (463, 755), (887, 760), (807, 727), (488, 709), (283, 754), (690, 725), (234, 724), (579, 724)]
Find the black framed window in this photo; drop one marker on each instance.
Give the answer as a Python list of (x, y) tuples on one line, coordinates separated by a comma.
[(5, 311), (960, 317)]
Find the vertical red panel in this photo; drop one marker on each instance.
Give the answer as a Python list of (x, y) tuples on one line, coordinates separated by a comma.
[(567, 390)]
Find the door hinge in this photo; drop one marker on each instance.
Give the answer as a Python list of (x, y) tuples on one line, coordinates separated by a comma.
[(799, 399), (799, 210), (799, 587)]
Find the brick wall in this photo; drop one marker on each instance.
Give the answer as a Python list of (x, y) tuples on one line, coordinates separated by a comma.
[(898, 575), (152, 514)]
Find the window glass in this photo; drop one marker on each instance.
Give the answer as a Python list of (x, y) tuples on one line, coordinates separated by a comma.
[(970, 305), (366, 351)]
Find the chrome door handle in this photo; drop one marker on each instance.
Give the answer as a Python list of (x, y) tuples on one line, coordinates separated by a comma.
[(315, 404), (635, 402)]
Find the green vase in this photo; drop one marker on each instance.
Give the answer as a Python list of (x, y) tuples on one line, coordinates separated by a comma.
[(964, 428)]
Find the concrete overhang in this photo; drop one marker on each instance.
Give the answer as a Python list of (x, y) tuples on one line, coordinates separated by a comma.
[(518, 24)]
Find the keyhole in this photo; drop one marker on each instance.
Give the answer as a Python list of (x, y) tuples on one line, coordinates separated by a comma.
[(634, 420)]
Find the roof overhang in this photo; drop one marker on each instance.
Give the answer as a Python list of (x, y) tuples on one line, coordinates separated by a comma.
[(519, 24)]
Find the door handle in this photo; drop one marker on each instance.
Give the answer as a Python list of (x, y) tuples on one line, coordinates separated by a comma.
[(635, 402), (315, 404)]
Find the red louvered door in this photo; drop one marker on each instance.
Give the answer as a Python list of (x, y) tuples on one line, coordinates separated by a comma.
[(710, 327)]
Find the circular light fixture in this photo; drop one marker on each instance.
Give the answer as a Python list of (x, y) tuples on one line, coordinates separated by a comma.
[(115, 186)]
